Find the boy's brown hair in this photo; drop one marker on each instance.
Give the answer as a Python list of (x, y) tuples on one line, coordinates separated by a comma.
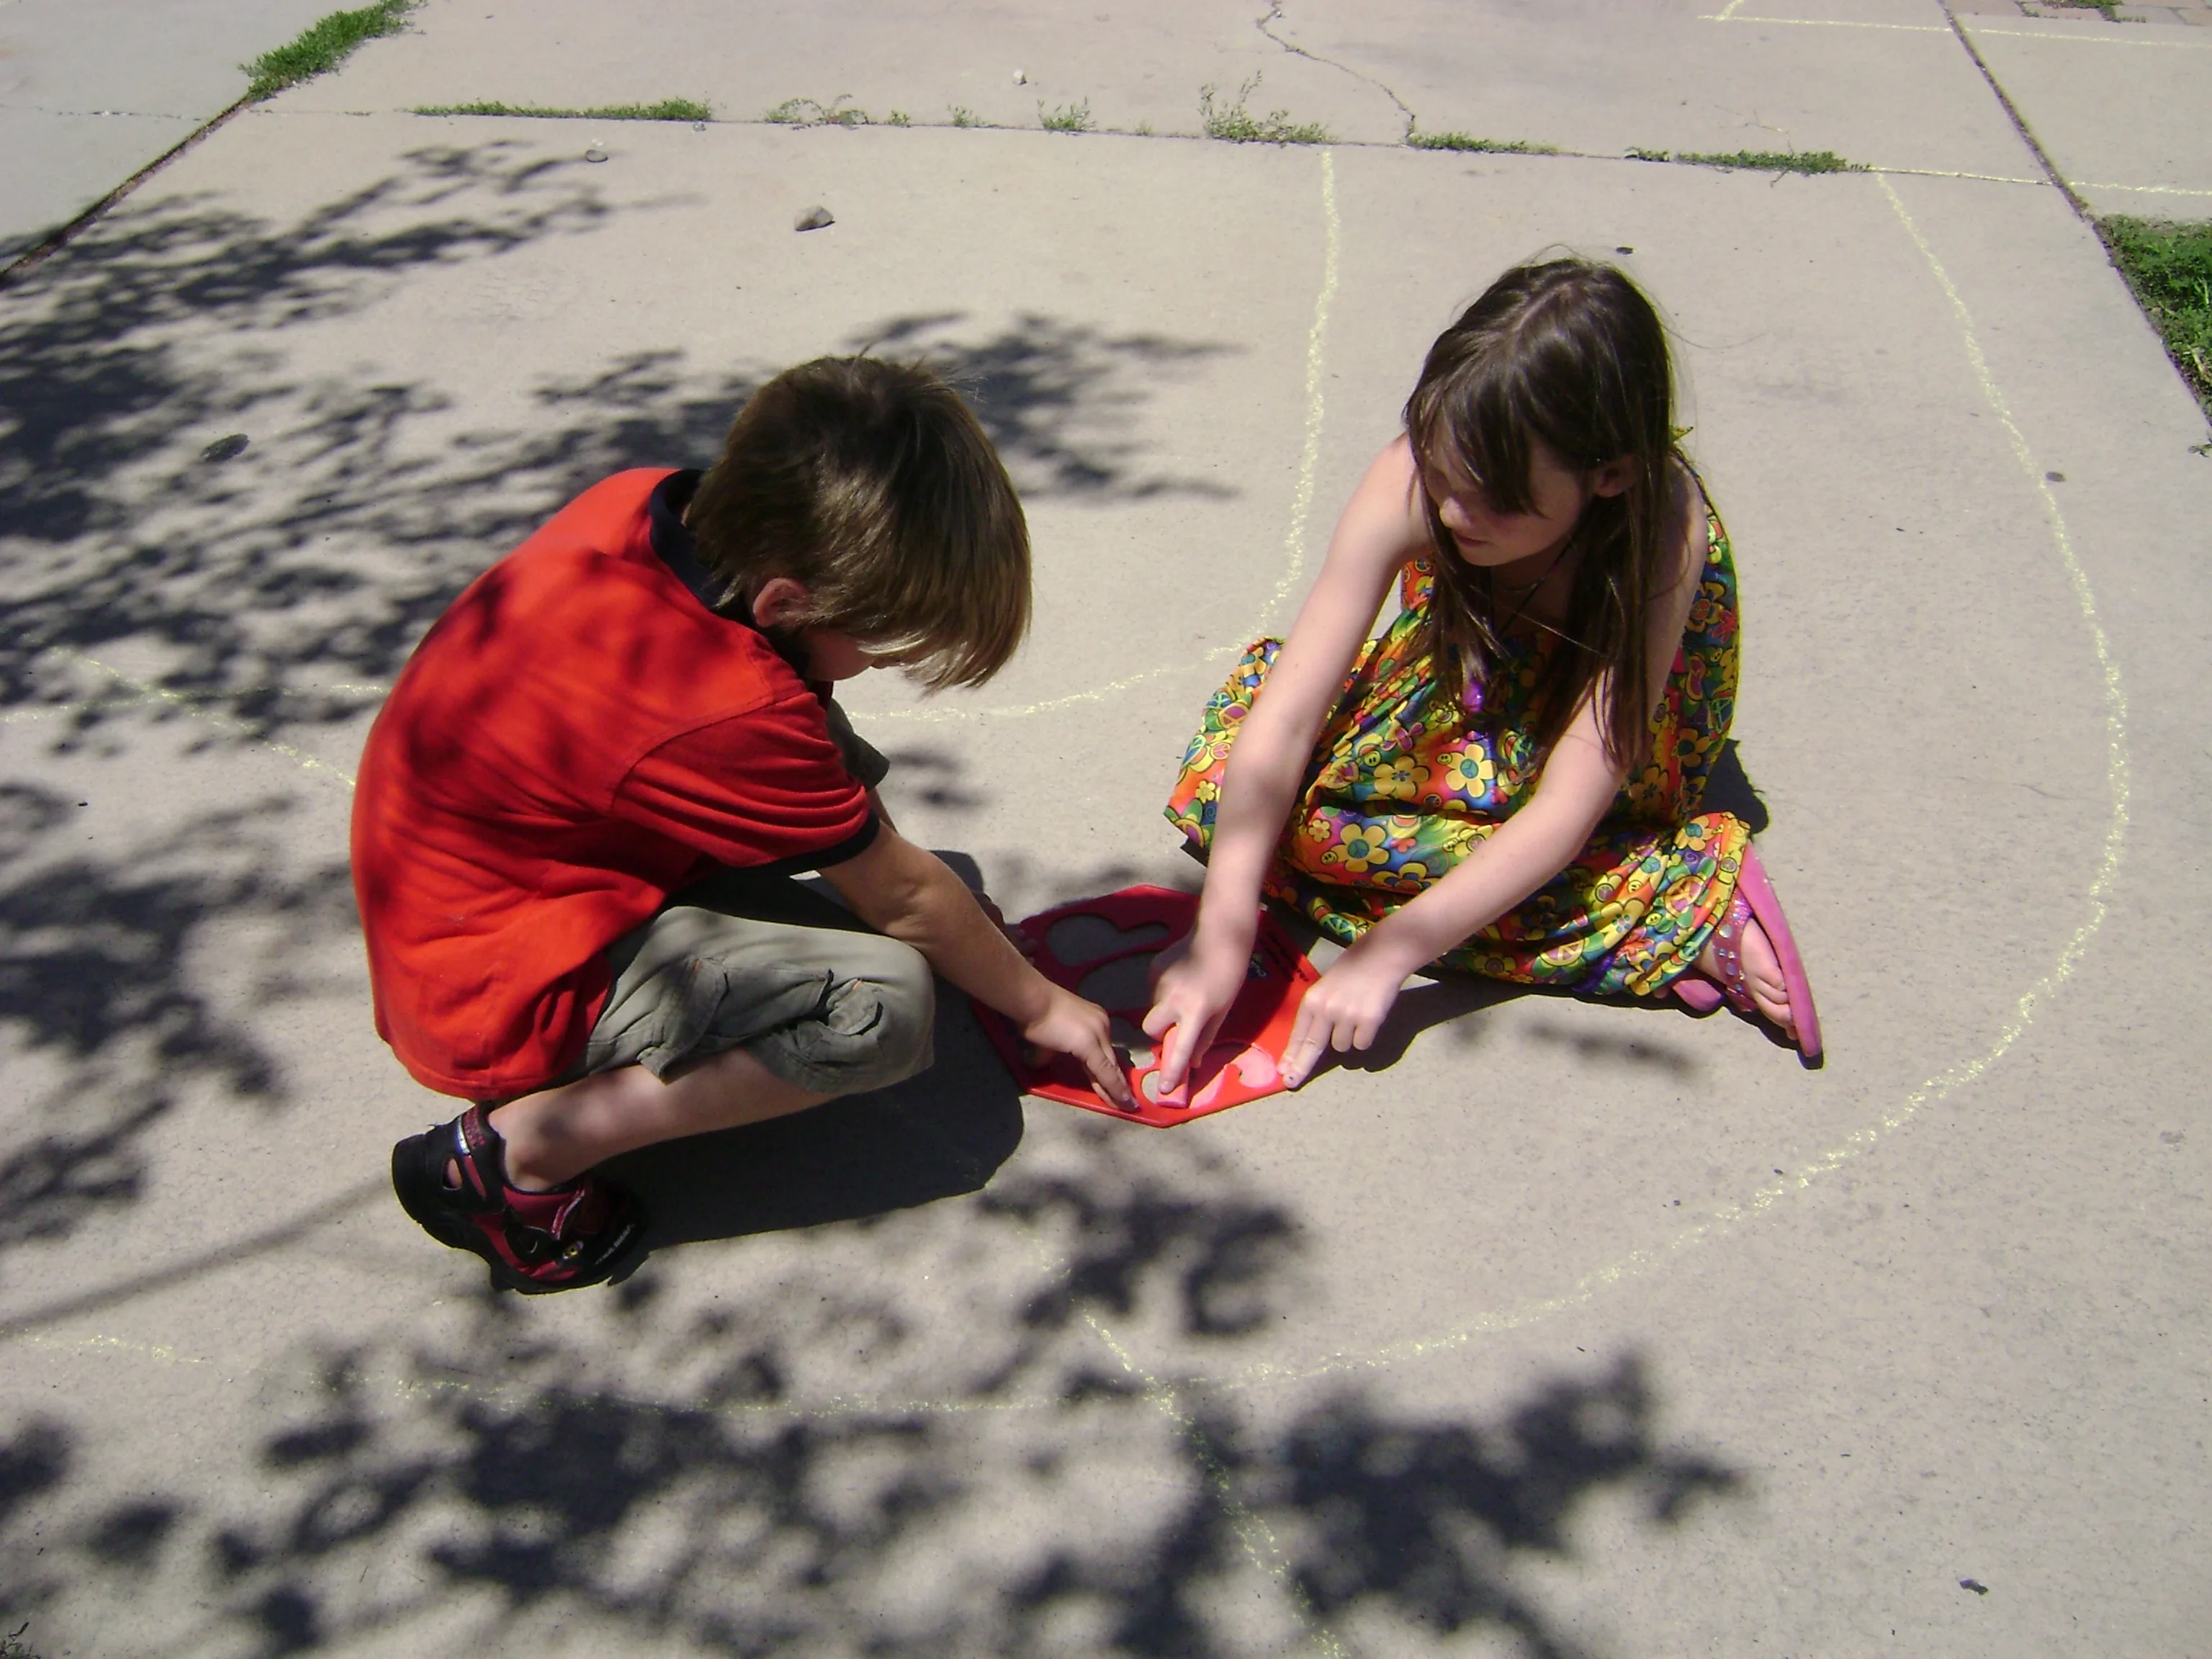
[(873, 484)]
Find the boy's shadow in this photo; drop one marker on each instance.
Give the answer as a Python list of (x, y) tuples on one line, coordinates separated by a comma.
[(937, 1135)]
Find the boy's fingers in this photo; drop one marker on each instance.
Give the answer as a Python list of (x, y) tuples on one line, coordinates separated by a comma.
[(1106, 1072)]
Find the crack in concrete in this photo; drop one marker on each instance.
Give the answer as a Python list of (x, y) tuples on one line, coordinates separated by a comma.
[(1265, 24)]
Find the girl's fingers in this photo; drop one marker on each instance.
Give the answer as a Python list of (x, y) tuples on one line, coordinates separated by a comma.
[(1175, 1052)]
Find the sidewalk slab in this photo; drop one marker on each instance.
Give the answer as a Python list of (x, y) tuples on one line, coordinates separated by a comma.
[(2119, 111), (92, 90), (1555, 1323), (1883, 85), (1133, 62)]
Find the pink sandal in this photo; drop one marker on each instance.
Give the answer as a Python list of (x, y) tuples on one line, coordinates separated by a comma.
[(1755, 901)]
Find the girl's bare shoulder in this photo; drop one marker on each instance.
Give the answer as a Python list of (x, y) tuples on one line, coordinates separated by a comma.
[(1688, 525)]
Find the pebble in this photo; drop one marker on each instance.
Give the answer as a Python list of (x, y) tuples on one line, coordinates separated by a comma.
[(595, 153), (817, 217), (1020, 79), (223, 448)]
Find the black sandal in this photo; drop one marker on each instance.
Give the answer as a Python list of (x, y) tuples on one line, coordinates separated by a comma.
[(576, 1235)]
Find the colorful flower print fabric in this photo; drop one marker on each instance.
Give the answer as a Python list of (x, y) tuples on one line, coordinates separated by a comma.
[(1400, 789)]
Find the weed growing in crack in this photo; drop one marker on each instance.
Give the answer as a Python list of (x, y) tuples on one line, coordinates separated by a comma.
[(965, 116), (812, 113), (322, 47), (1238, 126), (1765, 161), (1068, 117), (668, 109), (1462, 141), (899, 118)]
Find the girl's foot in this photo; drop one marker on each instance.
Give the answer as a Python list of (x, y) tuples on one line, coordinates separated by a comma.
[(1752, 962), (1761, 969)]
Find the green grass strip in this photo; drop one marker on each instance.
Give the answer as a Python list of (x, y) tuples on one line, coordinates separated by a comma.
[(1764, 161), (2169, 266), (668, 109), (322, 47), (1468, 142)]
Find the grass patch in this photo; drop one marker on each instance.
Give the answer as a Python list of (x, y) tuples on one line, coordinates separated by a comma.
[(1068, 117), (2169, 267), (811, 113), (1636, 154), (322, 47), (965, 116), (1238, 126), (668, 109), (1761, 161), (1468, 142), (899, 118)]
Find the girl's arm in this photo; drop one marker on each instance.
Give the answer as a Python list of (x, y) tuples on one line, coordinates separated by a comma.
[(1578, 785), (1382, 527)]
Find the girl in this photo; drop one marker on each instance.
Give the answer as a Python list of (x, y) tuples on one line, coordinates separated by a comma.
[(1509, 780)]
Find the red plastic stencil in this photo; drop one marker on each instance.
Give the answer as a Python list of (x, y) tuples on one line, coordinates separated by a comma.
[(1099, 948)]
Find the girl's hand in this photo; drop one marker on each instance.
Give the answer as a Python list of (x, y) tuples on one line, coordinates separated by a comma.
[(1343, 1011), (1069, 1025), (1193, 983)]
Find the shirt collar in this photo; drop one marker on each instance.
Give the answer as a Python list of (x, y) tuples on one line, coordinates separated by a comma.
[(673, 544)]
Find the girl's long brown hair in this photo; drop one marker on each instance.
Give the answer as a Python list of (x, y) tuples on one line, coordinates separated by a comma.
[(1566, 353)]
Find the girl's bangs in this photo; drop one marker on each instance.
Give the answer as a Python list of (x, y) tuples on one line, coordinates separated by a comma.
[(1479, 427)]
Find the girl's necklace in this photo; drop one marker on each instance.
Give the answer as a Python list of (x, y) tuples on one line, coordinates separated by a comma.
[(1530, 588), (1524, 592)]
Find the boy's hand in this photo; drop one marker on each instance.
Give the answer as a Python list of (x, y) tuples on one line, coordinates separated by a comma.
[(1069, 1025), (1193, 983)]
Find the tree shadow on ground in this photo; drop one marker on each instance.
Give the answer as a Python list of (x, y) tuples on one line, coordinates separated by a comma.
[(285, 584), (263, 601), (504, 1482)]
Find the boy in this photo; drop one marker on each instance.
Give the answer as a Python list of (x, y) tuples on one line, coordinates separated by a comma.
[(579, 809)]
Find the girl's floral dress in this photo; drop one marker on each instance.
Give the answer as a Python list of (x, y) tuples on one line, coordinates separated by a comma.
[(1400, 789)]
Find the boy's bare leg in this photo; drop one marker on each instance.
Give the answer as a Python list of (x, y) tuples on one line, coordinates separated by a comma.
[(556, 1135)]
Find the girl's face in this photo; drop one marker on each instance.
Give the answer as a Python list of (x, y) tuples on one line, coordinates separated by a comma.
[(1494, 539)]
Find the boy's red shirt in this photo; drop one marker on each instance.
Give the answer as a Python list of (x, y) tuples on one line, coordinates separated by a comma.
[(576, 738)]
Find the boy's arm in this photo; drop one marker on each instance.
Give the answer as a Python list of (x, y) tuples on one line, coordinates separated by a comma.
[(906, 892)]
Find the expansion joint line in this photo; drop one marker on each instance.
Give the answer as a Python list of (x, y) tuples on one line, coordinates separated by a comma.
[(2020, 125), (27, 261), (1274, 15)]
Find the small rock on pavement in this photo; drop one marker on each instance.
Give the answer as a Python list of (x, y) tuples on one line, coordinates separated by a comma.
[(817, 217), (595, 153), (223, 448)]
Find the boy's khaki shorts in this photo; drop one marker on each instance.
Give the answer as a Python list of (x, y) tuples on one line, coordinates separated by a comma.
[(763, 964)]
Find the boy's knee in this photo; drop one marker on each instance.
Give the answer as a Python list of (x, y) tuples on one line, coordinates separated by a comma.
[(874, 1027)]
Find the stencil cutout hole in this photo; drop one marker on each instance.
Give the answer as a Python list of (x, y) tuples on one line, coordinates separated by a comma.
[(1079, 938), (1125, 983)]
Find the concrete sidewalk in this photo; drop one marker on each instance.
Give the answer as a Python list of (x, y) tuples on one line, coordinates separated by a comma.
[(1555, 1327), (92, 90)]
